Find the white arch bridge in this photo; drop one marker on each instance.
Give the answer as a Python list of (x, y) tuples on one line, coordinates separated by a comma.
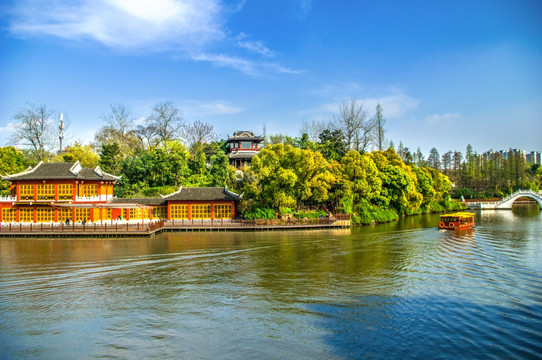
[(507, 202)]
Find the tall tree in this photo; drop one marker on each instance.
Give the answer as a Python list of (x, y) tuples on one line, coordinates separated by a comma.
[(117, 128), (313, 129), (110, 158), (352, 121), (434, 159), (419, 159), (196, 135), (447, 161), (35, 130), (379, 129), (167, 120)]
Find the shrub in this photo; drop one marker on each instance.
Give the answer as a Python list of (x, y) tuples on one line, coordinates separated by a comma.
[(261, 213)]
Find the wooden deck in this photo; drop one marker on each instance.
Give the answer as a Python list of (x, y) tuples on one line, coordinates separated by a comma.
[(126, 229)]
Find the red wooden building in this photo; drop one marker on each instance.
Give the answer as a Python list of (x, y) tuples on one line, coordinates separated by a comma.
[(242, 147), (60, 192)]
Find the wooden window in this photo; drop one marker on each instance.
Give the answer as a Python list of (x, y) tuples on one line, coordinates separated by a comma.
[(26, 192), (82, 214), (90, 190), (222, 211), (65, 213), (45, 192), (9, 215), (179, 211), (160, 212), (106, 214), (202, 211), (45, 215), (138, 213), (26, 214), (65, 191)]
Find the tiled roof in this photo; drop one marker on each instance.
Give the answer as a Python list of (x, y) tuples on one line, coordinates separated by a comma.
[(61, 171), (244, 135), (183, 194), (243, 155), (140, 201), (203, 194)]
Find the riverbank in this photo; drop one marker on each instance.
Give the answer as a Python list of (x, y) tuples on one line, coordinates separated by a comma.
[(131, 229)]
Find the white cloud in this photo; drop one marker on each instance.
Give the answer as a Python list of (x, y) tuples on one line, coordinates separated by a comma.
[(127, 24), (246, 66), (191, 29), (394, 105), (438, 119), (196, 108), (254, 46)]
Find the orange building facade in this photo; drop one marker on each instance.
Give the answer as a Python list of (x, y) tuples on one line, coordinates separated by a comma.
[(67, 192)]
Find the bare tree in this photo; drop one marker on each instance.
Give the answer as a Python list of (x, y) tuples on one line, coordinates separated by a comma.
[(146, 135), (352, 121), (35, 130), (118, 129), (196, 135), (167, 120), (313, 129)]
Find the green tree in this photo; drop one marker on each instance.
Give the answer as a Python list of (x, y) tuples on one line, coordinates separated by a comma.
[(111, 158), (332, 144), (289, 176), (12, 161), (84, 153)]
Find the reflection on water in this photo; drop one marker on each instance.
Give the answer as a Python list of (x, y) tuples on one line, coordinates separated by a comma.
[(403, 289)]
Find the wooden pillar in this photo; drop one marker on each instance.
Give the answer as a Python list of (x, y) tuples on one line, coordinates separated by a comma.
[(35, 192), (17, 191), (34, 214), (1, 211), (17, 215), (56, 215), (168, 210), (189, 211), (212, 210), (56, 192), (74, 191), (233, 210)]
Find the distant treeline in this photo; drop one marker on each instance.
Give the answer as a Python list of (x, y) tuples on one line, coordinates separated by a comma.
[(491, 174)]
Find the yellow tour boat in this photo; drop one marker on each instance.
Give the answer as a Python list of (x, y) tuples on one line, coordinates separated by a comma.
[(456, 221)]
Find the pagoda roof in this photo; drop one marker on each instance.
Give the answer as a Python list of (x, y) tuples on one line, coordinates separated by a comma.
[(244, 135), (203, 194), (183, 194), (61, 171)]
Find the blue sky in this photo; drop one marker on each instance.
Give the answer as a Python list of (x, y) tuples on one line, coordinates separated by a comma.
[(447, 73)]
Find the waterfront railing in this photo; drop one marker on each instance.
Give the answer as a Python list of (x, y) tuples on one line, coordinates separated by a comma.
[(152, 226)]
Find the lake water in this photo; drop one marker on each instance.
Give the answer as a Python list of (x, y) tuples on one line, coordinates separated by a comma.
[(399, 290)]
